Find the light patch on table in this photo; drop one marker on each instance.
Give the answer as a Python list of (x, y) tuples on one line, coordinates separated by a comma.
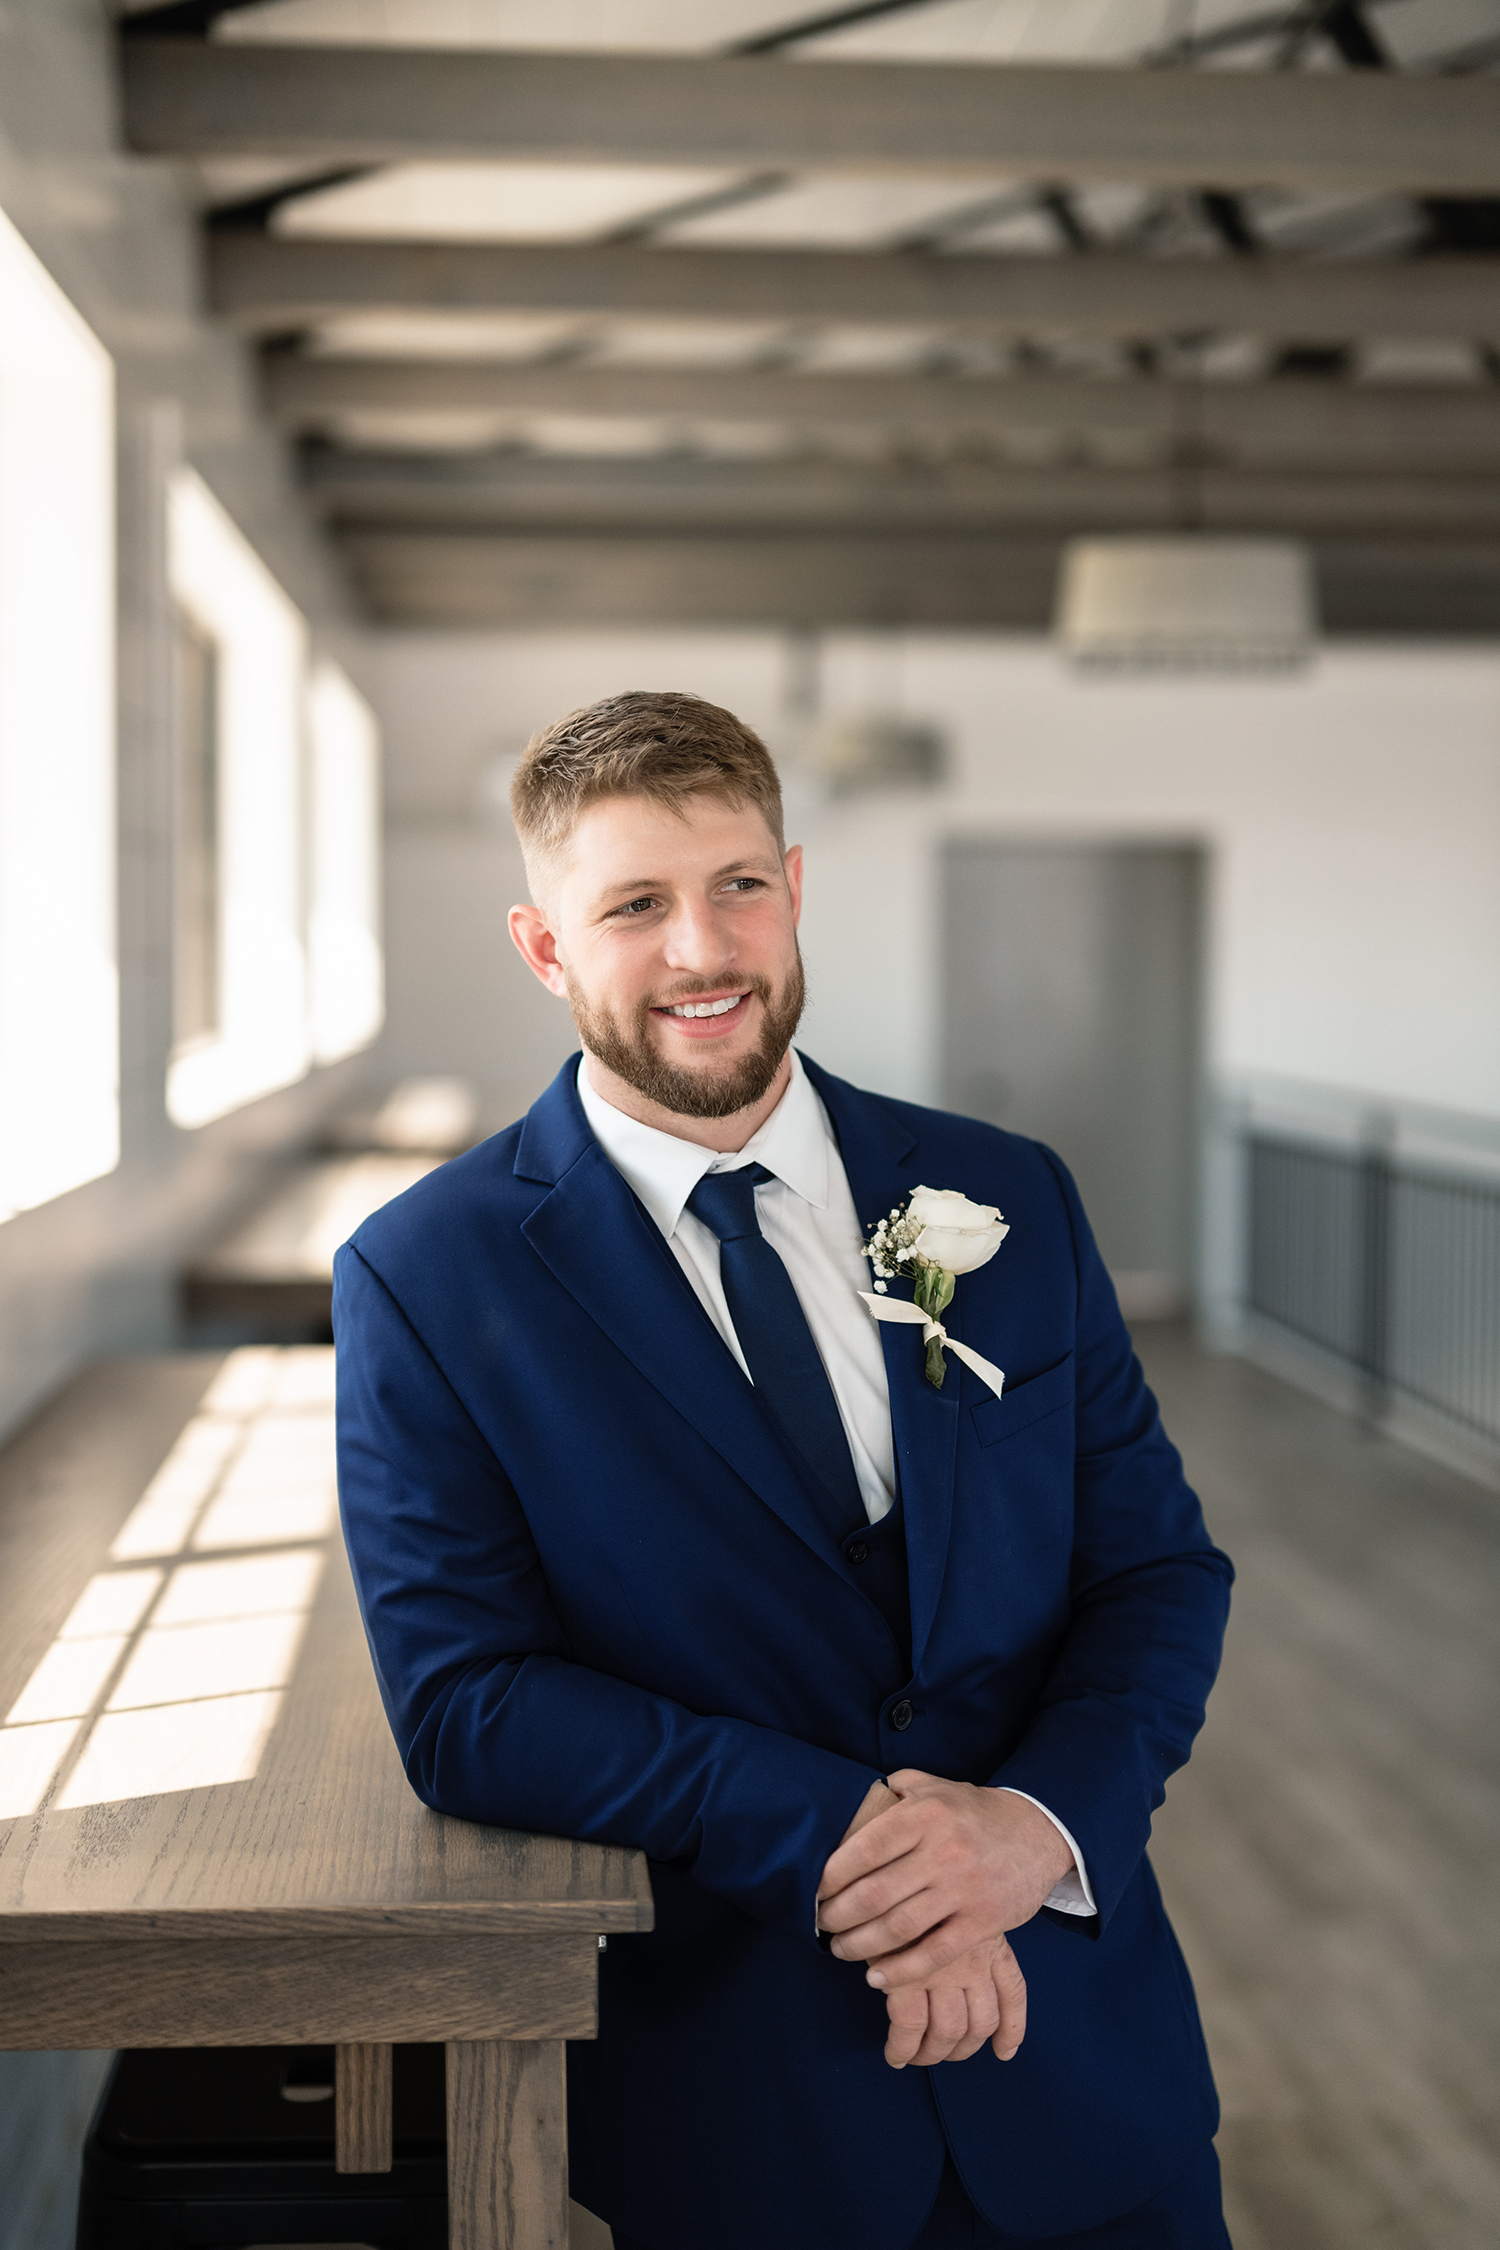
[(304, 1377), (113, 1602), (252, 1586), (184, 1663), (161, 1521), (244, 1383), (173, 1746), (69, 1680), (190, 1658), (29, 1757), (282, 1487), (270, 1519)]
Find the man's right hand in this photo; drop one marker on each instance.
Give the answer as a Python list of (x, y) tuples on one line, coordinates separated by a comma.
[(980, 1995)]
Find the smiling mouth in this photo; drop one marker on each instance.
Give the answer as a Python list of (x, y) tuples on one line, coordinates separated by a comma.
[(686, 1010)]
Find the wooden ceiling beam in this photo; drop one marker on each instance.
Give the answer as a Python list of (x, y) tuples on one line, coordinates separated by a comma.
[(488, 583), (544, 495), (270, 285), (1323, 422), (1436, 135)]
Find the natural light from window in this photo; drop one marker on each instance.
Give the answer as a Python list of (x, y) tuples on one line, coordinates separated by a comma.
[(256, 1036), (169, 1671), (59, 1009), (348, 984)]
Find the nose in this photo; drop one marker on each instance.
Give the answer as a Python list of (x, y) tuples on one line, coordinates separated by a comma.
[(695, 941)]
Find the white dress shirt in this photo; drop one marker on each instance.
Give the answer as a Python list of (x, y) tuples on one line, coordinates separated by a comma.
[(807, 1214)]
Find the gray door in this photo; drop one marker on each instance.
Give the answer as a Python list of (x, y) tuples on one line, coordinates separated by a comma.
[(1071, 1012)]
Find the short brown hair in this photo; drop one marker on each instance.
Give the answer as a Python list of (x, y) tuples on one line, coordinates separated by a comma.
[(664, 746)]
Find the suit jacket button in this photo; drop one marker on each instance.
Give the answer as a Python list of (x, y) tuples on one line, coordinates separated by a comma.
[(856, 1551), (901, 1717)]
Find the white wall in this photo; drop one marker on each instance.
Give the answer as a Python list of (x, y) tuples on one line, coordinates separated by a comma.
[(1352, 818)]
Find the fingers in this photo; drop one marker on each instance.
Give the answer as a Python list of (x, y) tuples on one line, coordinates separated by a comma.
[(1010, 1994), (934, 1951), (872, 1895), (947, 2024), (984, 2019), (911, 1778), (949, 2020), (907, 1922), (908, 2019), (877, 1843)]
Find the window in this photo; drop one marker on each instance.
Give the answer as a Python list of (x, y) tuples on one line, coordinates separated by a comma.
[(241, 979), (59, 1007), (348, 992), (195, 840)]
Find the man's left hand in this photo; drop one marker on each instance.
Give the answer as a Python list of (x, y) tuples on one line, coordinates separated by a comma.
[(949, 1867)]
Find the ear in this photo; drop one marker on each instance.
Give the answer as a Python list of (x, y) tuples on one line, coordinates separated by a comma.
[(792, 862), (537, 947)]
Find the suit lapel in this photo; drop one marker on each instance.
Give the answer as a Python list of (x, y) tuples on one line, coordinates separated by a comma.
[(882, 1158), (604, 1250)]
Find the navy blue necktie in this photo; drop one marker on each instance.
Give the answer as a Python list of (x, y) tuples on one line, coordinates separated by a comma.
[(788, 1375)]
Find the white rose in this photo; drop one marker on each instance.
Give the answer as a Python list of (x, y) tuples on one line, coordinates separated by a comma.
[(956, 1234)]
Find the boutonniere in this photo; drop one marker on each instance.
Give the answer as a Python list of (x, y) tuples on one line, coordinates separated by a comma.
[(937, 1235)]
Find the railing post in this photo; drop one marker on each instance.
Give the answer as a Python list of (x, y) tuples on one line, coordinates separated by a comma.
[(1376, 1212)]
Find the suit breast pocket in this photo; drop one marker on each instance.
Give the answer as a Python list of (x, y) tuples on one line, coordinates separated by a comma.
[(1022, 1405)]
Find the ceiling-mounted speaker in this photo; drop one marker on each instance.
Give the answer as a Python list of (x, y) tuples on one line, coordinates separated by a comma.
[(1187, 604)]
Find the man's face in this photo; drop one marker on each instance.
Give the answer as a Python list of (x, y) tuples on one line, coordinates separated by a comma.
[(652, 913)]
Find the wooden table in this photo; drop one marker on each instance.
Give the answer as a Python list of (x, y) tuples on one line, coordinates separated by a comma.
[(209, 1839), (274, 1271)]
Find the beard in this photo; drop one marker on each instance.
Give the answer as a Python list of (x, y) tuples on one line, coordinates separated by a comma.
[(627, 1049)]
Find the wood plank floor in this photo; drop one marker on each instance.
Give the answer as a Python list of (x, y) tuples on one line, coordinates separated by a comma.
[(1331, 1854)]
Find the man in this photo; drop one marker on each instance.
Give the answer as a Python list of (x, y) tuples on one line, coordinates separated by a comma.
[(662, 1540)]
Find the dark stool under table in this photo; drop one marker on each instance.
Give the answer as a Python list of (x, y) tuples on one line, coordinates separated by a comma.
[(203, 2146)]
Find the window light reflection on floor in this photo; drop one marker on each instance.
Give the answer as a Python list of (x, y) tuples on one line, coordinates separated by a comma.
[(168, 1672)]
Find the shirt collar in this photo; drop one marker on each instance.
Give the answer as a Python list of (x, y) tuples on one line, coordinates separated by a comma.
[(663, 1170)]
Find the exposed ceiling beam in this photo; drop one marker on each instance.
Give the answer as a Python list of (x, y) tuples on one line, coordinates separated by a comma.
[(269, 285), (488, 583), (1322, 422), (367, 105), (548, 493)]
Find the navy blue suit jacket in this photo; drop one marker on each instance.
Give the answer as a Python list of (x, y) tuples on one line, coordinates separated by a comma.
[(601, 1604)]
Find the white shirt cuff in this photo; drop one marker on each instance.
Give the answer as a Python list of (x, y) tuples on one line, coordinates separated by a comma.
[(1072, 1895)]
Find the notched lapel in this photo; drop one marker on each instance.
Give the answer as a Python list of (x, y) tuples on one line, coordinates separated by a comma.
[(596, 1240), (881, 1159)]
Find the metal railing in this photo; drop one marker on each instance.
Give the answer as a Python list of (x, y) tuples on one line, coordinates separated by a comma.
[(1391, 1266)]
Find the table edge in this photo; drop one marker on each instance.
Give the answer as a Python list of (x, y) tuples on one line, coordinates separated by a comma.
[(497, 1918)]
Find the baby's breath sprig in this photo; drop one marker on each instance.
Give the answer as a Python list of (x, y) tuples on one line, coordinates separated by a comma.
[(892, 1246)]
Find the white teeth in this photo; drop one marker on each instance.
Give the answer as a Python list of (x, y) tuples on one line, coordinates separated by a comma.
[(706, 1007)]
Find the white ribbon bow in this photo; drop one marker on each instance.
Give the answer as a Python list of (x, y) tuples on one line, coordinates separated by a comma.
[(897, 1308)]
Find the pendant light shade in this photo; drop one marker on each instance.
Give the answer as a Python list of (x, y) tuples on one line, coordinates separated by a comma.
[(1187, 605)]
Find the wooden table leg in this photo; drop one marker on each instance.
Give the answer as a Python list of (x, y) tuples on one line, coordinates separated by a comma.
[(507, 2145), (362, 2126)]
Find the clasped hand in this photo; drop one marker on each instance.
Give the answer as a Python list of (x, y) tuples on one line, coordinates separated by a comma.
[(928, 1879)]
